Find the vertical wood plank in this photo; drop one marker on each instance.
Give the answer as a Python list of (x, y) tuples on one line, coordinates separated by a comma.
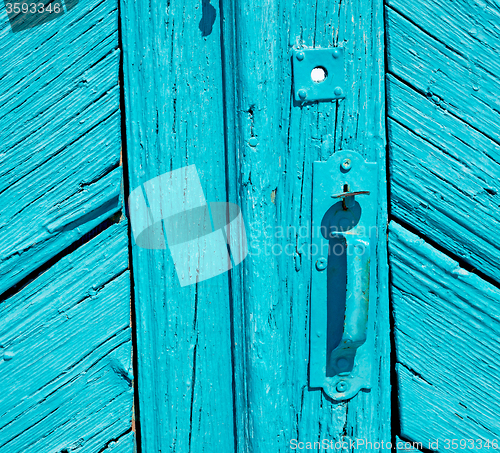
[(174, 118), (270, 156)]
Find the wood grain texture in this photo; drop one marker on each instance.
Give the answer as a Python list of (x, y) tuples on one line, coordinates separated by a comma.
[(444, 117), (447, 325), (444, 158), (65, 353), (60, 137), (191, 99), (174, 117), (444, 178), (272, 183), (469, 29), (124, 444), (445, 70)]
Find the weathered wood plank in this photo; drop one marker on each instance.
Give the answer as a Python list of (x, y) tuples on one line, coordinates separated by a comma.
[(65, 341), (272, 182), (470, 29), (124, 444), (444, 178), (174, 115), (447, 326), (60, 137), (448, 77)]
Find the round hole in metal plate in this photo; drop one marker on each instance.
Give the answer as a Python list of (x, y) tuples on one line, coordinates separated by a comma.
[(318, 74)]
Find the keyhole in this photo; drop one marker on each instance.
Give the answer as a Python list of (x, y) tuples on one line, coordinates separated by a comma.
[(318, 74)]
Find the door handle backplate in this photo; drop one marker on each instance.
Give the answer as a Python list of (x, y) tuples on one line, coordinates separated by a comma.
[(343, 290)]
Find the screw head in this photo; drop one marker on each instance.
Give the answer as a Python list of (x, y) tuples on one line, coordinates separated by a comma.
[(342, 363), (302, 94), (336, 53), (321, 264), (300, 56), (338, 91), (253, 142), (342, 386), (346, 164)]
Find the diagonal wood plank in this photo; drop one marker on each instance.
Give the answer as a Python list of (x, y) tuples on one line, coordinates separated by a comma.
[(446, 76), (65, 353), (60, 137), (470, 29), (444, 178), (447, 326), (124, 444)]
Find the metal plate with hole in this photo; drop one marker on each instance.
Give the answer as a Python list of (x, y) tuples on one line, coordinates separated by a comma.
[(344, 275), (318, 74)]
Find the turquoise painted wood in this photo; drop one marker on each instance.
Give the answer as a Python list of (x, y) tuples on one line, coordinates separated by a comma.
[(444, 177), (444, 154), (272, 183), (59, 95), (223, 364), (174, 101), (65, 333), (66, 352), (447, 323), (444, 111)]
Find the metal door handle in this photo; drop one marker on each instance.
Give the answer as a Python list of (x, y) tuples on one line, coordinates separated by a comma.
[(342, 361), (357, 304)]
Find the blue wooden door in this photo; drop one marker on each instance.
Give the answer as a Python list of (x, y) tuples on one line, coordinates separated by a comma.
[(197, 104), (223, 362), (443, 124)]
